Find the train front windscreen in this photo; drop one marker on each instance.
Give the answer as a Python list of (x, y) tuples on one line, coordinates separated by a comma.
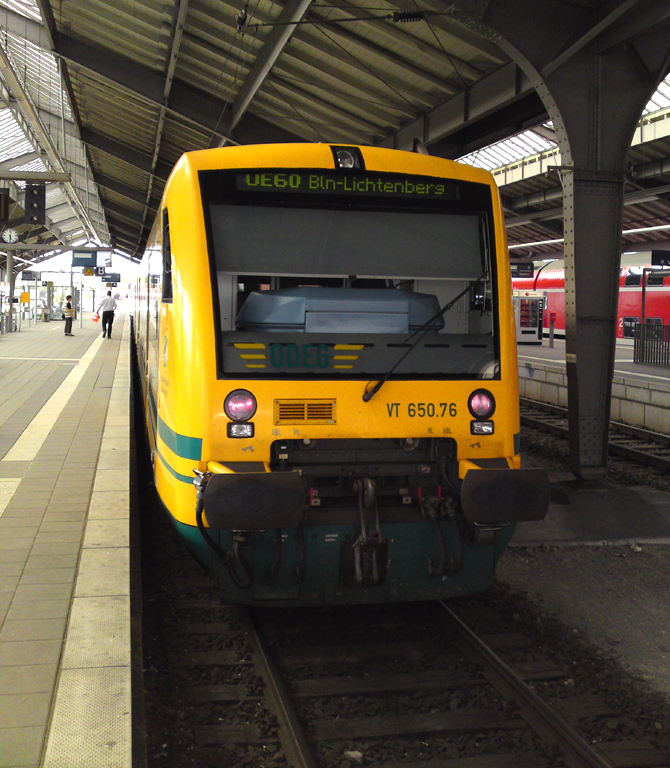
[(323, 273)]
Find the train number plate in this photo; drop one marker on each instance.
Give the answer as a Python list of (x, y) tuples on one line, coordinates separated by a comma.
[(422, 410)]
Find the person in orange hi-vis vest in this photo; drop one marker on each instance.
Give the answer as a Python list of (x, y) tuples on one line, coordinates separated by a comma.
[(68, 311)]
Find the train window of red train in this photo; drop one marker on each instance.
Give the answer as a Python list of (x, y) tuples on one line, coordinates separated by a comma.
[(633, 279), (655, 279), (629, 326)]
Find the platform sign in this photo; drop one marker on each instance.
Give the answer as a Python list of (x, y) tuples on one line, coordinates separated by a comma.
[(100, 271), (522, 270), (28, 274), (84, 258), (660, 258), (111, 277)]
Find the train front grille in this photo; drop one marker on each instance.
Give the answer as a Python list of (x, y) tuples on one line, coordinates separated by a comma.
[(305, 412)]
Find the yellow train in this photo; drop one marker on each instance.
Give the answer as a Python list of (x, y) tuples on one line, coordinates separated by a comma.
[(327, 352)]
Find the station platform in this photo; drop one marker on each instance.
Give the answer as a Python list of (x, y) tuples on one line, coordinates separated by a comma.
[(598, 513), (65, 630)]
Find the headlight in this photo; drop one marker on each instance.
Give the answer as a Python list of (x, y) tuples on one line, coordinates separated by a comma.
[(482, 404), (241, 430), (346, 159), (240, 405)]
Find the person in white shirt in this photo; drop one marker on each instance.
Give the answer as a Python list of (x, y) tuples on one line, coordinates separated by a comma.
[(107, 307)]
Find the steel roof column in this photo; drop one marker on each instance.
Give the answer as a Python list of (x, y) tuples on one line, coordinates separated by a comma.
[(596, 96), (593, 207), (594, 66), (11, 281)]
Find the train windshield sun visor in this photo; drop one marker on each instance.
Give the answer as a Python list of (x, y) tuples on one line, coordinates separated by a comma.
[(252, 239)]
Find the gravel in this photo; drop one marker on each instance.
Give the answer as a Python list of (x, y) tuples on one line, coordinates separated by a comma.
[(601, 609)]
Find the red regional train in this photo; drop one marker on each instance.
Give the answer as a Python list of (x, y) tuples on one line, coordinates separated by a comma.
[(549, 283)]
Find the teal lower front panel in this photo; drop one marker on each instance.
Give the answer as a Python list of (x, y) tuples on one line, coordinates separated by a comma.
[(412, 554)]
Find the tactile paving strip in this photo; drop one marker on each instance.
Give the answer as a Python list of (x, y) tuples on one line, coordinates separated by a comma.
[(98, 633), (91, 724), (8, 486)]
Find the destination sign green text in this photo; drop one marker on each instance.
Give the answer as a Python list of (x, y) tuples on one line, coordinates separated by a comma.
[(346, 184)]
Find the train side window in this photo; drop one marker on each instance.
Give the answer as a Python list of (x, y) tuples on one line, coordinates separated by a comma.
[(629, 326), (167, 260), (633, 278), (655, 279)]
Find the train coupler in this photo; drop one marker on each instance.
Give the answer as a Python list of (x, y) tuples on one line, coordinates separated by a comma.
[(363, 562), (366, 490)]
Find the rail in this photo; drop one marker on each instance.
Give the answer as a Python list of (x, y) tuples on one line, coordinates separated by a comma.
[(291, 734), (625, 441), (544, 720)]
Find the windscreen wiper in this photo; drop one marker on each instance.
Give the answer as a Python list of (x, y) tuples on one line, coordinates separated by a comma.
[(425, 328)]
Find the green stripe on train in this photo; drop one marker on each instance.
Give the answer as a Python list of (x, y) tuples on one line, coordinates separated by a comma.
[(181, 445), (182, 478)]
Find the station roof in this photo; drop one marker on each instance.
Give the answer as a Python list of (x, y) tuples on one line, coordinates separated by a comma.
[(106, 95)]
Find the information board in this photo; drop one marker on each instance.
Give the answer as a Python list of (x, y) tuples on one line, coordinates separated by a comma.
[(84, 258)]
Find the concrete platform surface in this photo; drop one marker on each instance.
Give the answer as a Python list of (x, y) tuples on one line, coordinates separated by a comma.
[(598, 513), (64, 582), (615, 598), (600, 563)]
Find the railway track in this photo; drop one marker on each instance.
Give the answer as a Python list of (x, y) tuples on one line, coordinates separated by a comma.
[(422, 685), (401, 686), (640, 445), (434, 695)]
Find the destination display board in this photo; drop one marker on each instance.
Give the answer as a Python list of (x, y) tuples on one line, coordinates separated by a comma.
[(84, 258), (330, 183), (522, 270)]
